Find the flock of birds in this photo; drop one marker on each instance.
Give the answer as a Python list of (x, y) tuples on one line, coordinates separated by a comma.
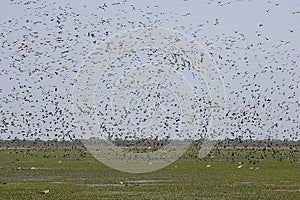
[(42, 50)]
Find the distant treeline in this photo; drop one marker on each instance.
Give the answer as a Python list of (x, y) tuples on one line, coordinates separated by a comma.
[(79, 144), (258, 143), (17, 143)]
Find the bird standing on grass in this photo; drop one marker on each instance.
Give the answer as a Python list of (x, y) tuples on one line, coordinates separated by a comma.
[(45, 192)]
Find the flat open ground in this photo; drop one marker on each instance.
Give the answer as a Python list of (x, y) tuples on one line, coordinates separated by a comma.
[(75, 174)]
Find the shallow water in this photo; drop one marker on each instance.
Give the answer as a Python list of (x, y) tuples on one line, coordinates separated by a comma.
[(123, 182), (286, 190), (101, 185), (5, 167), (145, 181), (35, 178), (245, 182), (78, 179)]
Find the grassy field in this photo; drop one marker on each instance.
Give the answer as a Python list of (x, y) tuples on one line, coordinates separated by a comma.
[(74, 174)]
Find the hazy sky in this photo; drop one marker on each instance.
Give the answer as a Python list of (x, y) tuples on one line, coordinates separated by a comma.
[(255, 44)]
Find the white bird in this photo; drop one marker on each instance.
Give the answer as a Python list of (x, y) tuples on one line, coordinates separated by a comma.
[(45, 192)]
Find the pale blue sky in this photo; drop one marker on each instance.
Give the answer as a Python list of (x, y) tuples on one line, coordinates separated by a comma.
[(261, 39)]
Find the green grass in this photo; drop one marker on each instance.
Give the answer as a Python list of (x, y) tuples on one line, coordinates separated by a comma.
[(187, 178)]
